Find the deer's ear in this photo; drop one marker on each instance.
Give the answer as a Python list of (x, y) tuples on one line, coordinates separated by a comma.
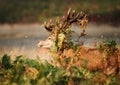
[(48, 28), (48, 25)]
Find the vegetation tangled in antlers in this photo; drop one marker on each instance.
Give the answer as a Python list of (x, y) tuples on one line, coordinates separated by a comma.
[(60, 28)]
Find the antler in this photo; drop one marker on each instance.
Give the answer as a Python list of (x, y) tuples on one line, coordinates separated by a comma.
[(66, 21), (74, 17)]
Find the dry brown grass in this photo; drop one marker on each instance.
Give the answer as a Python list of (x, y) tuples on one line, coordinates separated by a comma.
[(14, 52)]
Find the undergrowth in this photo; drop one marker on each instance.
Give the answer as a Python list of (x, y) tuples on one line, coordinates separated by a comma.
[(23, 71), (109, 46)]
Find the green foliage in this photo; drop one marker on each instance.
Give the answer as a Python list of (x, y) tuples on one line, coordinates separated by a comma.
[(32, 72), (6, 62), (108, 45)]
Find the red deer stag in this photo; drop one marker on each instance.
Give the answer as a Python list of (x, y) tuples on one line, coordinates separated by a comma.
[(96, 59)]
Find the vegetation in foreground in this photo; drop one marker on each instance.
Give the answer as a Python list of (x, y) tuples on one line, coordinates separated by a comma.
[(23, 71)]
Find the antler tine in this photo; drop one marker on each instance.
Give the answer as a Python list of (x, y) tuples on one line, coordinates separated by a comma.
[(81, 17), (68, 14), (65, 19), (69, 10), (73, 13), (75, 18), (78, 14)]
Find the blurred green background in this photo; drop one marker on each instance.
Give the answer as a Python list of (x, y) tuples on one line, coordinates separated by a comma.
[(29, 11)]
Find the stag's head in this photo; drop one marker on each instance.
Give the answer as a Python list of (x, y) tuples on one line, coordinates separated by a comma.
[(58, 28), (47, 43)]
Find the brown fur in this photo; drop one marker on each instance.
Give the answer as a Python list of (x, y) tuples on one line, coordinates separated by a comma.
[(91, 58), (95, 59)]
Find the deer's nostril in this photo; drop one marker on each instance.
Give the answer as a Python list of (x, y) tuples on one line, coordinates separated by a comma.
[(41, 45)]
